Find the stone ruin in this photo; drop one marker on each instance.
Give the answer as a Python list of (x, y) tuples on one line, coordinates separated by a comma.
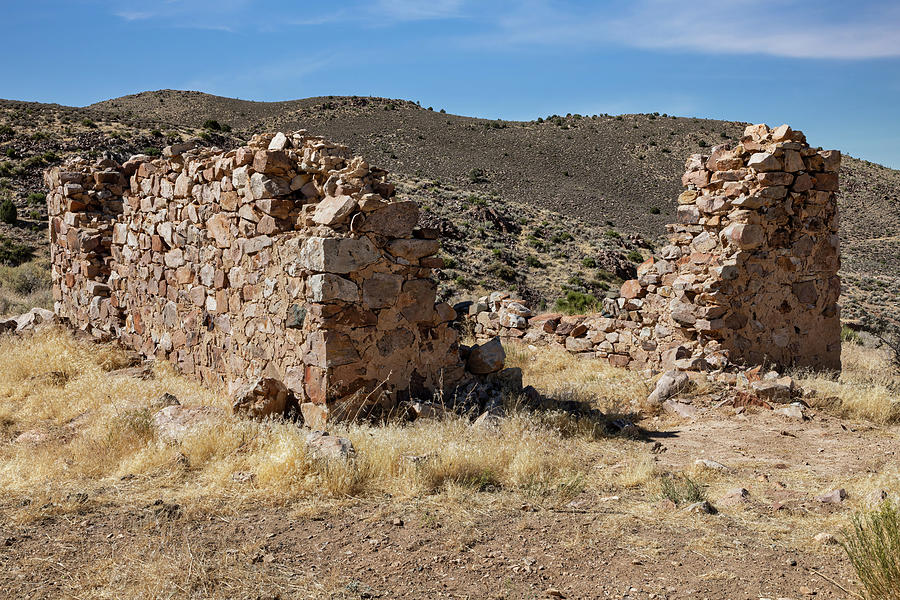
[(278, 269), (749, 276), (284, 271)]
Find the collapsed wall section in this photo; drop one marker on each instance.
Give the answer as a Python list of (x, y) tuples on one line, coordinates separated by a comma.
[(749, 275), (284, 259)]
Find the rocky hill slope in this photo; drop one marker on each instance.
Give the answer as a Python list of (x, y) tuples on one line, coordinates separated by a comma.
[(556, 205)]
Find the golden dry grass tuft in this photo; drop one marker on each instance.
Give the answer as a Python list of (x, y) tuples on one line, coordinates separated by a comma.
[(866, 388)]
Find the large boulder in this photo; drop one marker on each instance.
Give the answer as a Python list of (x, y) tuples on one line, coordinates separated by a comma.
[(486, 358)]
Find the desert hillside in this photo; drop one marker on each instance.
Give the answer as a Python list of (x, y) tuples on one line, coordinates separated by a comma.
[(544, 207)]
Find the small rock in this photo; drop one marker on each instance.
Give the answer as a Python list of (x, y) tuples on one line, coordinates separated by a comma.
[(320, 445), (792, 411), (826, 539), (397, 522), (701, 507), (671, 383), (710, 464), (833, 497), (735, 497)]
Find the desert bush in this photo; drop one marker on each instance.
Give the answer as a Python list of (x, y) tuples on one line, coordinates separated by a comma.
[(534, 262), (477, 176), (6, 130), (635, 256), (849, 335), (8, 213), (873, 547), (13, 253), (36, 198), (501, 270), (887, 330), (214, 125), (25, 278), (681, 490), (575, 303)]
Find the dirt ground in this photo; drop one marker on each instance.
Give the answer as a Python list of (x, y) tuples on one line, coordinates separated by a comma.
[(491, 543)]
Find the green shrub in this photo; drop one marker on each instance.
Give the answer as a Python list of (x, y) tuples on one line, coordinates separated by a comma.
[(150, 151), (212, 125), (574, 303), (681, 490), (13, 254), (36, 198), (635, 256), (8, 212), (88, 123), (588, 262), (874, 550), (849, 335), (534, 262), (26, 278), (612, 234), (7, 130), (655, 210), (477, 176), (501, 270)]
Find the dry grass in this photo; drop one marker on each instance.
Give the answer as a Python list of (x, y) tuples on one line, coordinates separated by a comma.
[(561, 375), (99, 439), (97, 428), (866, 387)]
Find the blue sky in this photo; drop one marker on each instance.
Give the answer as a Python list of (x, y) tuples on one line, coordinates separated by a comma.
[(830, 68)]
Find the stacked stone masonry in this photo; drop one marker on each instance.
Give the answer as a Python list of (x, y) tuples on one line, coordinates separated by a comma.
[(749, 275), (282, 260)]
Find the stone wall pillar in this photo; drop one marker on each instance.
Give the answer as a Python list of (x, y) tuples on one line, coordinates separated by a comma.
[(757, 251)]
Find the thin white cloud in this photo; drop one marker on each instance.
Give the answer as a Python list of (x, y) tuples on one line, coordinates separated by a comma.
[(787, 28), (417, 10)]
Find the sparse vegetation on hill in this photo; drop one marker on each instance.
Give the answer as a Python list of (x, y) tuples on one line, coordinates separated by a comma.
[(594, 169)]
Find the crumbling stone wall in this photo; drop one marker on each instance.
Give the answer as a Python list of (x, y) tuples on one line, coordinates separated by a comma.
[(749, 275), (283, 260)]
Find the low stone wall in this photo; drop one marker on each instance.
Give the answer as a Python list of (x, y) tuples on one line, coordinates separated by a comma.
[(749, 275), (282, 261)]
